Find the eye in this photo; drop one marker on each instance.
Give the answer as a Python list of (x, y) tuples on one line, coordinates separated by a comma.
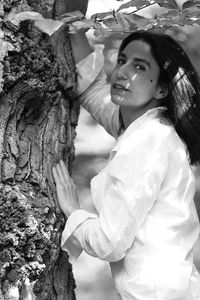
[(140, 67), (121, 61)]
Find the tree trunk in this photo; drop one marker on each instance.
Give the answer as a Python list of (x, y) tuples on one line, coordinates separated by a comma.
[(38, 116)]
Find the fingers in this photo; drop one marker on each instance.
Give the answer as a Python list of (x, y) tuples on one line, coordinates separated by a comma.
[(55, 176), (78, 27), (61, 174), (66, 172), (64, 168)]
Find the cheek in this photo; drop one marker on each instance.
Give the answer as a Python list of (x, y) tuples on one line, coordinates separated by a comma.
[(152, 82), (113, 75)]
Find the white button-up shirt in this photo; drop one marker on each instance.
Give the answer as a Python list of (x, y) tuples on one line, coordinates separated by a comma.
[(147, 223)]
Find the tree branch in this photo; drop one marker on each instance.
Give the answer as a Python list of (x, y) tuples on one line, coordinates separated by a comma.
[(135, 11)]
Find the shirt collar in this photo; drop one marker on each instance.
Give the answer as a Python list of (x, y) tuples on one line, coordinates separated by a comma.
[(151, 113)]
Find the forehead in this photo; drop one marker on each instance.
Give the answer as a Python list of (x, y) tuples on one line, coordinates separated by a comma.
[(139, 49)]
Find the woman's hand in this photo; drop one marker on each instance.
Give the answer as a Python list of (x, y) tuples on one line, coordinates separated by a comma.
[(79, 41), (78, 28), (66, 189)]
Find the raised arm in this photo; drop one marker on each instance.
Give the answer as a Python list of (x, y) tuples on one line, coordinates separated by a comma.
[(92, 85), (80, 46)]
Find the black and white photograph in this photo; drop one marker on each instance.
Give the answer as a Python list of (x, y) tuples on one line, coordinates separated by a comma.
[(99, 150)]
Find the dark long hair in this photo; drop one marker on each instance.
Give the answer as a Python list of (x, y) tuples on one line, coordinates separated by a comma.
[(183, 100)]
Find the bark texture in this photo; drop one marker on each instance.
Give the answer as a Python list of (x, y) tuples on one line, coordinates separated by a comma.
[(38, 115)]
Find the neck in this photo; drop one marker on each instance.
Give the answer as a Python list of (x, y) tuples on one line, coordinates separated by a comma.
[(129, 115)]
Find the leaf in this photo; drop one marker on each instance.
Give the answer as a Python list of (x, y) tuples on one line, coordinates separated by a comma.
[(190, 3), (48, 26), (15, 19), (148, 26), (100, 16), (112, 23), (71, 16), (193, 16), (102, 33), (171, 4), (145, 24), (84, 24), (180, 19), (189, 21), (170, 13), (140, 22), (195, 21), (174, 17), (123, 20), (135, 3)]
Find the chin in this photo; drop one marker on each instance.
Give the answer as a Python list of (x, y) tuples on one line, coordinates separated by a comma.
[(117, 99)]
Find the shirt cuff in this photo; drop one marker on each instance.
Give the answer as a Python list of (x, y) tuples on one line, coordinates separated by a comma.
[(89, 68), (69, 242)]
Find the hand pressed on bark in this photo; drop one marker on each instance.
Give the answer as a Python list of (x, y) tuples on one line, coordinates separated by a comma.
[(66, 189)]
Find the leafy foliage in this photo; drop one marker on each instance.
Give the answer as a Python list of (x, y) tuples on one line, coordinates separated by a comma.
[(191, 3), (173, 16), (124, 19), (171, 4), (139, 4)]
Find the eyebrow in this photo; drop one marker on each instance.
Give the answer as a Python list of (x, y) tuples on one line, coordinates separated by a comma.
[(137, 59)]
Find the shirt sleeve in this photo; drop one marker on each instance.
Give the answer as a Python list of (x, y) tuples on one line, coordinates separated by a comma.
[(134, 181), (95, 92)]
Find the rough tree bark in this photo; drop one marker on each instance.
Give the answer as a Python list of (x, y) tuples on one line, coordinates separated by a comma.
[(38, 116)]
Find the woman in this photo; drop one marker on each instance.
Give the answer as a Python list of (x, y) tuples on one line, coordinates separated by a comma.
[(147, 223)]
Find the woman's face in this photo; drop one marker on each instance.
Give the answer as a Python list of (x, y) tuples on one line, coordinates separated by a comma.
[(135, 77)]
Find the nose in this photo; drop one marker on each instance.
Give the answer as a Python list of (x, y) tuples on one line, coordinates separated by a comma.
[(122, 72)]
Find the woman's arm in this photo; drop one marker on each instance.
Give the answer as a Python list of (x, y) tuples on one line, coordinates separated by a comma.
[(135, 176), (96, 100), (80, 46), (92, 84)]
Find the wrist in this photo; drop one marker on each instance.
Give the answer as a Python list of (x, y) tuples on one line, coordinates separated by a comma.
[(81, 47)]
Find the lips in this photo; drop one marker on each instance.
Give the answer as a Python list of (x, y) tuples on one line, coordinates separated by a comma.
[(119, 86)]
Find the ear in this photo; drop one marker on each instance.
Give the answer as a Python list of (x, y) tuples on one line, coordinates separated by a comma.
[(162, 92)]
